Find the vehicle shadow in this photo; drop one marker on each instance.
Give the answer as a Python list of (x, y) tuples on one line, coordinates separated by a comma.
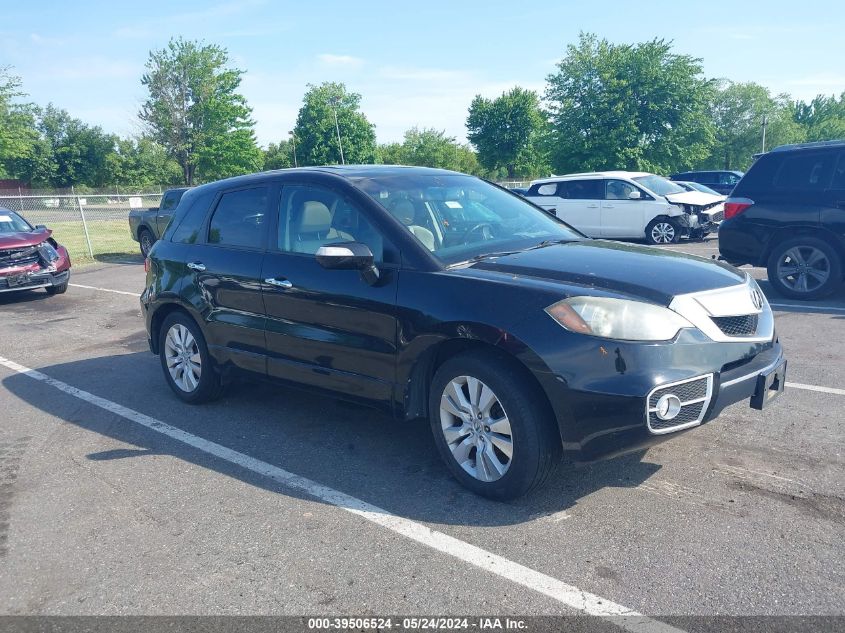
[(833, 305), (355, 450), (23, 296)]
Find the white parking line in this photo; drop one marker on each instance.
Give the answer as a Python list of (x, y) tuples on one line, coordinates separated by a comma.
[(833, 390), (563, 593), (117, 292)]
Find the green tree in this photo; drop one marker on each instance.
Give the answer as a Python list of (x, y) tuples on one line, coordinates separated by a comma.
[(429, 147), (142, 162), (316, 132), (823, 119), (195, 111), (390, 154), (634, 106), (18, 134), (737, 111), (79, 153), (507, 132), (279, 156)]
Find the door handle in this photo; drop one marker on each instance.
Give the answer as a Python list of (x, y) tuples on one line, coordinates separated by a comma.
[(609, 206), (198, 266), (592, 206), (279, 283)]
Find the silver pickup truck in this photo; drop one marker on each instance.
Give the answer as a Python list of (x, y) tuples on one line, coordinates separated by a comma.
[(147, 225)]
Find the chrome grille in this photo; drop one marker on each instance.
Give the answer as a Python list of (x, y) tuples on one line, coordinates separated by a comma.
[(694, 394), (18, 257), (743, 325)]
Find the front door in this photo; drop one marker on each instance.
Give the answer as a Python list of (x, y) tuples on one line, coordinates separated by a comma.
[(328, 328), (226, 271), (622, 216), (580, 204)]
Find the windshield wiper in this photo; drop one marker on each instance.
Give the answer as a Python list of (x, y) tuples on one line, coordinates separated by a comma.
[(482, 256), (545, 243)]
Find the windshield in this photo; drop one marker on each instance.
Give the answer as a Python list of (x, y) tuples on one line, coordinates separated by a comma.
[(459, 217), (11, 222), (703, 188), (659, 185)]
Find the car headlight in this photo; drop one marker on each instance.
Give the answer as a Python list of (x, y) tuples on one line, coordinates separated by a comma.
[(47, 251), (617, 318)]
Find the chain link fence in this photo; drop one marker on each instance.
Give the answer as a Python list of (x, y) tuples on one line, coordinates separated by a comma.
[(90, 226)]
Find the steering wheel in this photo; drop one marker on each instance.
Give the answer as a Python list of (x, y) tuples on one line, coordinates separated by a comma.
[(484, 229)]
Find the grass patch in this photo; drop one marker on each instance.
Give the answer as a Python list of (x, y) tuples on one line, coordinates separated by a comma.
[(108, 238)]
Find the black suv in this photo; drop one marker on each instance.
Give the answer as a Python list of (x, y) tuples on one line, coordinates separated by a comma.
[(432, 294), (721, 181), (788, 214)]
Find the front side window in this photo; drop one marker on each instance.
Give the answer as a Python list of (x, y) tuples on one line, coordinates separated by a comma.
[(838, 181), (169, 201), (310, 217), (459, 217), (619, 190), (240, 219)]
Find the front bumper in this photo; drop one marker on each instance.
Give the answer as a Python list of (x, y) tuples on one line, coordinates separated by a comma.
[(33, 280)]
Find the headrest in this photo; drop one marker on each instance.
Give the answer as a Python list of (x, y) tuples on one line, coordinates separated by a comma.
[(404, 211), (316, 217)]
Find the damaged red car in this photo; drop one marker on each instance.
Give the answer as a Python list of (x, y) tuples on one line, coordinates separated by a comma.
[(30, 258)]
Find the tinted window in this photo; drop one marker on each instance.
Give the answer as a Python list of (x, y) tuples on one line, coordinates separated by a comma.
[(582, 189), (804, 170), (190, 215), (760, 176), (838, 181), (310, 217), (240, 218), (618, 190), (170, 200)]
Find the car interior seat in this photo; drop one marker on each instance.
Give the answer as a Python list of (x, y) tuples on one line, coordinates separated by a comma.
[(404, 211), (313, 228)]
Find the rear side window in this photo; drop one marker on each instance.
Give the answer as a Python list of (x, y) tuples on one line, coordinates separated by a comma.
[(240, 219), (543, 189), (805, 171), (582, 189), (188, 222), (761, 175)]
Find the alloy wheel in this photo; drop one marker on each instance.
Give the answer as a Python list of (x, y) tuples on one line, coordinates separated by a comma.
[(476, 428), (803, 269), (183, 358), (663, 233), (146, 243)]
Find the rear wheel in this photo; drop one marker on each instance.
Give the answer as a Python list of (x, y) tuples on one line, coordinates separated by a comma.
[(146, 239), (187, 365), (490, 426), (804, 268), (663, 231)]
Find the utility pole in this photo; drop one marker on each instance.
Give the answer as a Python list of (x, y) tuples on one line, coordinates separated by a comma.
[(765, 123), (293, 139), (334, 101)]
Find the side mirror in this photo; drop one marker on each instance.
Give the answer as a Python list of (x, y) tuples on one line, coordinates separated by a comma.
[(41, 227), (634, 195), (349, 256)]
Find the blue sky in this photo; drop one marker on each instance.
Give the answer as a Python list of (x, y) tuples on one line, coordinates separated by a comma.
[(414, 63)]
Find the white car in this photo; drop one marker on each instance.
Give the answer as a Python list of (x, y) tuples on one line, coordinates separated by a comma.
[(628, 204)]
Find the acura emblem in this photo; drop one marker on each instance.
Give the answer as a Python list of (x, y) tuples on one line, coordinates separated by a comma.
[(757, 299)]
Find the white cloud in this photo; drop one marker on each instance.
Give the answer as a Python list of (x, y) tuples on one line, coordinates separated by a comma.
[(340, 60)]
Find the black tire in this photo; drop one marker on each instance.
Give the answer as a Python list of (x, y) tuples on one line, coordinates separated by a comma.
[(146, 239), (830, 264), (536, 441), (209, 386), (57, 290), (651, 235)]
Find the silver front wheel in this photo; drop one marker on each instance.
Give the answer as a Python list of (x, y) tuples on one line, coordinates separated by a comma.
[(663, 233), (476, 428), (183, 359)]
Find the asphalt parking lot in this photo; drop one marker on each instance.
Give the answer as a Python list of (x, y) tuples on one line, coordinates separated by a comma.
[(272, 501)]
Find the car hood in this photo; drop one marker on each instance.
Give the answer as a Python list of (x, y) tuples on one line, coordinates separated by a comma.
[(23, 239), (695, 198), (650, 274)]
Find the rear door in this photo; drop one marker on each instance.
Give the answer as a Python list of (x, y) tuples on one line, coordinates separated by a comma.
[(620, 215), (225, 282), (580, 204), (329, 329)]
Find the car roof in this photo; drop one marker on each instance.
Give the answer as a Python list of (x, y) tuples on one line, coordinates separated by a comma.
[(349, 172), (594, 174), (838, 143)]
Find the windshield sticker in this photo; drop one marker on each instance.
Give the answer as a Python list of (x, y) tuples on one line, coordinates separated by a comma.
[(6, 218), (453, 204)]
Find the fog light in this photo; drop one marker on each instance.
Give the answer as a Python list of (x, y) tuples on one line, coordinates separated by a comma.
[(668, 406)]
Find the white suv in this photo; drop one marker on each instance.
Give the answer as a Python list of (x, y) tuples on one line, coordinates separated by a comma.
[(627, 204)]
